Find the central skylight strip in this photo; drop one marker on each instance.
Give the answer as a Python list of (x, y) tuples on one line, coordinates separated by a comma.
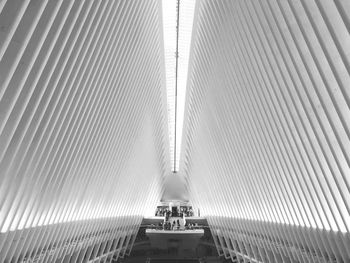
[(186, 13), (169, 28)]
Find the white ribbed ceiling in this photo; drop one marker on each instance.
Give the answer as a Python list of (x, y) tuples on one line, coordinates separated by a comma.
[(267, 124), (83, 122), (84, 142)]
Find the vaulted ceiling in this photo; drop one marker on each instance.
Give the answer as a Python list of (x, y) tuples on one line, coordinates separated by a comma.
[(83, 123), (268, 112), (84, 137), (267, 123)]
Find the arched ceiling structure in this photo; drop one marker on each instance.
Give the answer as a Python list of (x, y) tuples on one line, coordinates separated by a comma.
[(84, 140), (83, 125), (267, 127)]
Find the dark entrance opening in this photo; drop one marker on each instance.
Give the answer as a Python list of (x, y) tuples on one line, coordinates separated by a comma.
[(174, 211)]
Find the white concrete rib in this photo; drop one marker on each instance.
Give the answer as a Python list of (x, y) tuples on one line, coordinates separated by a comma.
[(83, 127), (266, 140)]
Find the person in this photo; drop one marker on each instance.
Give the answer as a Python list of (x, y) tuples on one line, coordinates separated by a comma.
[(166, 216)]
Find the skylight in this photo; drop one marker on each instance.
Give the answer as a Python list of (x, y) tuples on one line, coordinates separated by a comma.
[(176, 71)]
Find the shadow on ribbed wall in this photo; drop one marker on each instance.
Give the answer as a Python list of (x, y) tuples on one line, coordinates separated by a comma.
[(276, 242), (63, 243)]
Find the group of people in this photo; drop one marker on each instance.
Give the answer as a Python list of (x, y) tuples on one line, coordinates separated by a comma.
[(162, 211), (183, 211), (191, 226), (186, 210), (167, 225), (174, 225)]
